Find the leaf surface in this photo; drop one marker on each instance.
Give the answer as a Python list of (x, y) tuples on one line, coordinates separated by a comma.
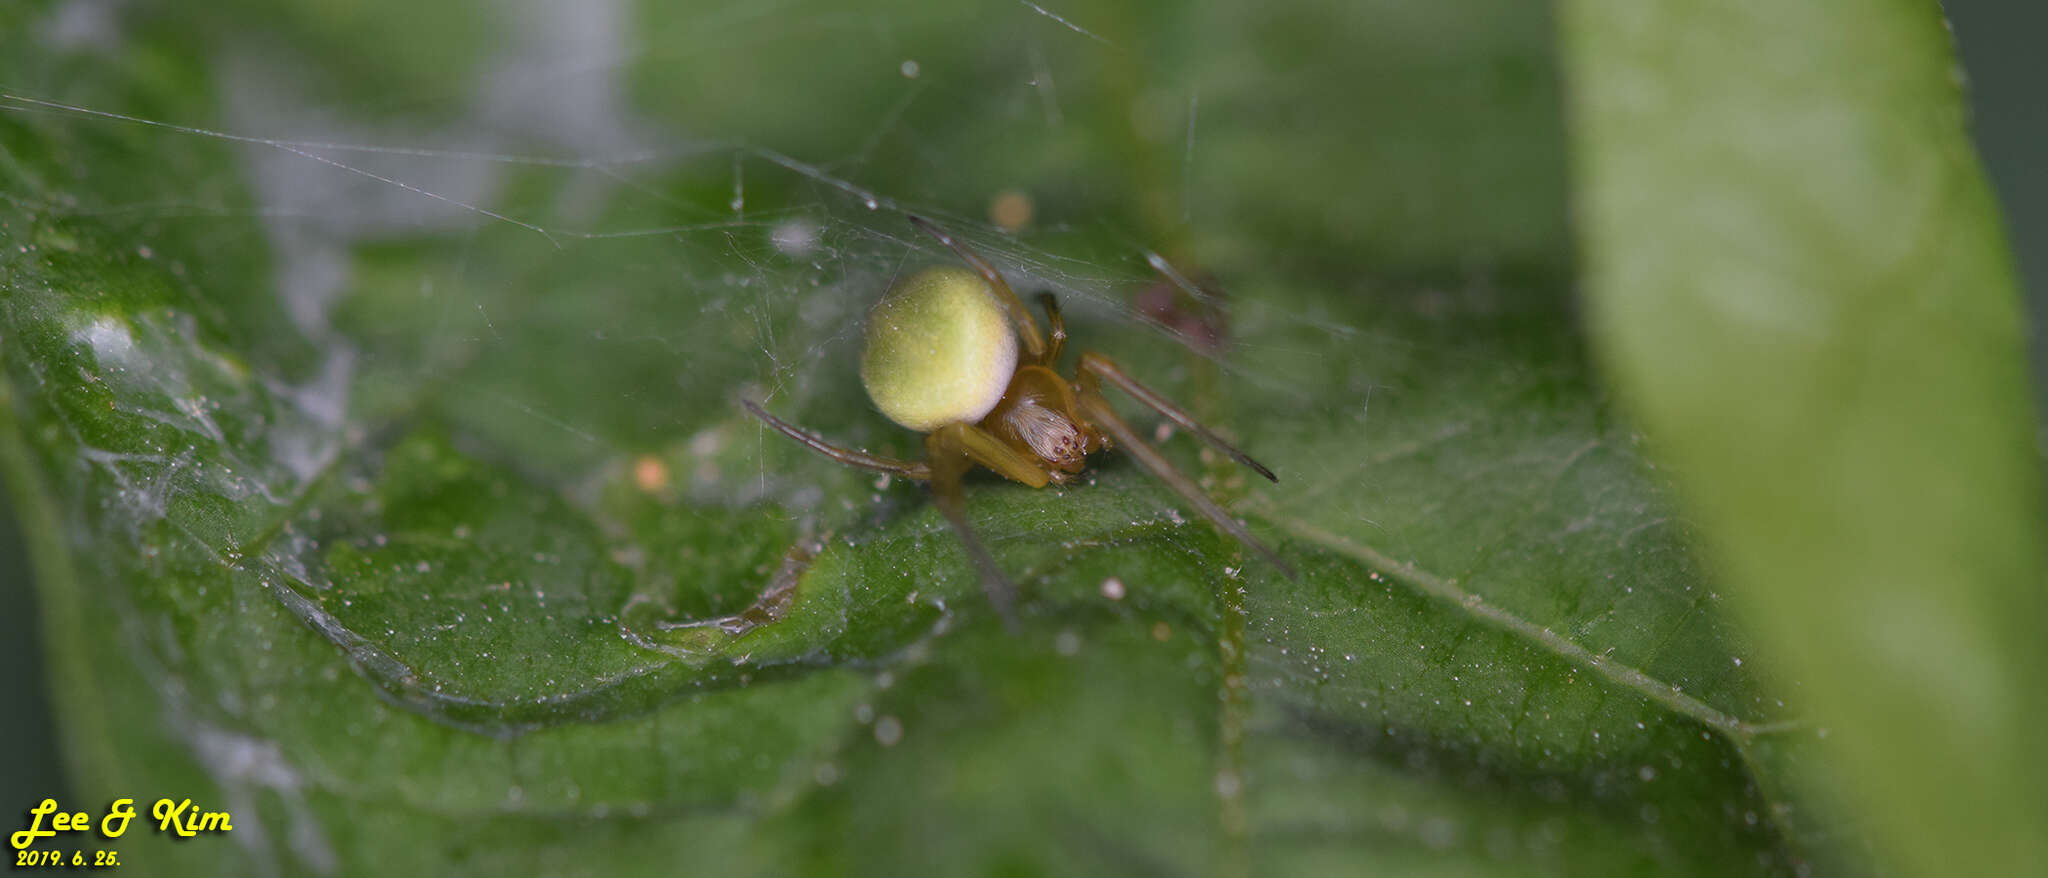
[(388, 484)]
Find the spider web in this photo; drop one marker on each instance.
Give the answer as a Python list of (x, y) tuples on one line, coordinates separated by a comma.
[(809, 237)]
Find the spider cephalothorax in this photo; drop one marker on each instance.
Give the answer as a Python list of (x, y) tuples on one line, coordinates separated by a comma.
[(1025, 419), (941, 358)]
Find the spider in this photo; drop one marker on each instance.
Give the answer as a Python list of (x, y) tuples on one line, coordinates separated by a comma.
[(940, 360)]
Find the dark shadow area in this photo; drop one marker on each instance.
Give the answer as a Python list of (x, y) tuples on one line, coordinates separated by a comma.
[(30, 770), (1999, 44)]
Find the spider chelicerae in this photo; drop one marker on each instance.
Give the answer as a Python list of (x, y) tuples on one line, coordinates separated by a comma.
[(942, 358)]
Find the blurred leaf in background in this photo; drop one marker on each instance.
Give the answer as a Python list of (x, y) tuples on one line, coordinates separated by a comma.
[(370, 410), (1797, 269)]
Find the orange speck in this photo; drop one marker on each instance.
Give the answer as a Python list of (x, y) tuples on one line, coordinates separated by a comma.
[(1011, 209), (649, 473)]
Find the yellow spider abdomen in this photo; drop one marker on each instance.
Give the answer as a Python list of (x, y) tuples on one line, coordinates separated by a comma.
[(939, 350)]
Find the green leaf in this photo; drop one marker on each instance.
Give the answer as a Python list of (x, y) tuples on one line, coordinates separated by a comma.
[(370, 403), (1798, 273)]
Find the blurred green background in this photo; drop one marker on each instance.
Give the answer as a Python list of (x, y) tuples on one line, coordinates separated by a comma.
[(1509, 241)]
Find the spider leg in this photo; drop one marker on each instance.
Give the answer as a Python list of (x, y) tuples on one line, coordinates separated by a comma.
[(1097, 409), (1027, 329), (1094, 365), (852, 458), (1057, 324), (954, 449), (983, 448)]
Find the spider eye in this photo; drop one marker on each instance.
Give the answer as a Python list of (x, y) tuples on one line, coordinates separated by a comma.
[(939, 350)]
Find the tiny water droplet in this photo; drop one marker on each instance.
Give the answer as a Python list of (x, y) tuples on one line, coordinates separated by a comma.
[(888, 730)]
